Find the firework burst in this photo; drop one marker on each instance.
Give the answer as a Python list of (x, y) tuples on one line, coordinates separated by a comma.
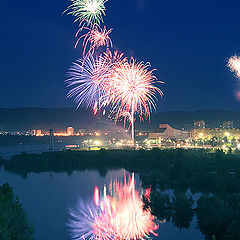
[(86, 78), (115, 58), (234, 65), (95, 38), (87, 11), (133, 90), (110, 79)]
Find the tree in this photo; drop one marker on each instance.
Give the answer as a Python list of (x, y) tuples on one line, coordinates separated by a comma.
[(13, 221)]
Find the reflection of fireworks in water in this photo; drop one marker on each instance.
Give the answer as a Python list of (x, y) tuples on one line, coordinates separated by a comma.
[(96, 37), (87, 11), (234, 65), (119, 215), (133, 90), (82, 218), (86, 77)]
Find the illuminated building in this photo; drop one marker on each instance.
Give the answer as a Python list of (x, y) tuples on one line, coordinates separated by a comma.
[(217, 132), (167, 132), (199, 124), (70, 131), (38, 133)]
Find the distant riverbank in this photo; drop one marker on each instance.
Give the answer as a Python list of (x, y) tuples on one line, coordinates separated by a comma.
[(168, 160), (6, 152)]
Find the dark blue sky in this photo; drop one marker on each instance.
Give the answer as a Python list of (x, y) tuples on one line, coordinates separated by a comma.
[(187, 41)]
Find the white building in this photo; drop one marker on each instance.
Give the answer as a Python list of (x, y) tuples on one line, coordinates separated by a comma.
[(167, 132)]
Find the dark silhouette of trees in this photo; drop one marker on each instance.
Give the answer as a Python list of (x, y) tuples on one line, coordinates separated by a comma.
[(13, 222)]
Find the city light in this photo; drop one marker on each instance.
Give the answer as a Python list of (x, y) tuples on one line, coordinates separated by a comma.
[(227, 134)]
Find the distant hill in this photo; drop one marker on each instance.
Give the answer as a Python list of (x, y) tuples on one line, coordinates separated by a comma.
[(59, 119), (44, 118)]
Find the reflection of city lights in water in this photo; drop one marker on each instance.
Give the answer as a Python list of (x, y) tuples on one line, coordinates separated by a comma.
[(118, 213)]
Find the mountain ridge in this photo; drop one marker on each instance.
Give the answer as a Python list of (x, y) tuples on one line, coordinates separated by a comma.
[(26, 118)]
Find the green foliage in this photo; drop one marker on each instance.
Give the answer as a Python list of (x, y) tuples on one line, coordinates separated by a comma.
[(13, 221)]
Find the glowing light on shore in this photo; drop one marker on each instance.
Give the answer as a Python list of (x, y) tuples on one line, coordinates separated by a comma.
[(87, 11), (119, 214), (234, 65)]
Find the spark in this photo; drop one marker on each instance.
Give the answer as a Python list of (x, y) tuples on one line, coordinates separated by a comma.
[(133, 90), (86, 78), (95, 38), (234, 65), (110, 80), (87, 11), (115, 58)]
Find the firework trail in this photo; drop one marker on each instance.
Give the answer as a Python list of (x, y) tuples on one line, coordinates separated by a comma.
[(87, 12), (234, 65), (118, 215), (86, 78), (133, 90), (95, 38)]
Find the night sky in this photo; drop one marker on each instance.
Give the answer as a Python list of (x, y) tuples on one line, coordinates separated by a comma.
[(187, 41)]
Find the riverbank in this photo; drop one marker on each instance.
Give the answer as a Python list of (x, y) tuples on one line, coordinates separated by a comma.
[(173, 160)]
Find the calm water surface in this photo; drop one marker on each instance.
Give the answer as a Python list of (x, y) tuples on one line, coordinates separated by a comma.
[(8, 151), (46, 198)]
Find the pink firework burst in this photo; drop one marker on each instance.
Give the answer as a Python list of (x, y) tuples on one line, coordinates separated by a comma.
[(133, 90), (115, 58), (95, 38)]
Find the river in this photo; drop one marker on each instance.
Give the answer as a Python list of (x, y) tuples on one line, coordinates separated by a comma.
[(47, 197)]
